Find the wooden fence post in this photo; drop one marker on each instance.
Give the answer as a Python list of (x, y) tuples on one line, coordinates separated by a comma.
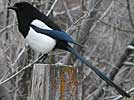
[(50, 82), (40, 82)]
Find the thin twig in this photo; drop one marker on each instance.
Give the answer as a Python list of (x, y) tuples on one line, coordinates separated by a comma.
[(130, 64), (100, 19), (129, 13), (57, 13), (18, 57), (104, 14), (67, 11), (29, 65), (119, 29), (51, 8), (58, 53), (5, 28)]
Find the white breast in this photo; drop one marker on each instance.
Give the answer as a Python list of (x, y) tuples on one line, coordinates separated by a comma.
[(40, 42)]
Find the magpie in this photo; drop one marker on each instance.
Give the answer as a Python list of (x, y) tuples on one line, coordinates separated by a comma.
[(44, 36)]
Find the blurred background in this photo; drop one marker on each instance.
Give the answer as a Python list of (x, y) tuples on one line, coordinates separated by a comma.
[(104, 27)]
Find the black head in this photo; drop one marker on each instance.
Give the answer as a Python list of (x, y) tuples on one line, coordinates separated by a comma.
[(24, 8), (26, 13), (20, 6)]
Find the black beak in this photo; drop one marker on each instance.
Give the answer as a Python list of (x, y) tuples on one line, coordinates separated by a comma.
[(13, 8)]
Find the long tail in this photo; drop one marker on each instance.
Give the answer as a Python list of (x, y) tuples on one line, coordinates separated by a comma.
[(99, 73)]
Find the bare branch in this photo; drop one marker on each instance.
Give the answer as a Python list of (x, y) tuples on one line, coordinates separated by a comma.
[(29, 65), (129, 13), (51, 8), (119, 29), (18, 57), (67, 11), (5, 28), (104, 14), (113, 71)]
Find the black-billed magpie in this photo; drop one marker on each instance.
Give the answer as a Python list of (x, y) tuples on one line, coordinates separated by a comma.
[(43, 36)]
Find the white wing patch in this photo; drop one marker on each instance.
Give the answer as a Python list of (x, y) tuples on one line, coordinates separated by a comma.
[(40, 42), (40, 24)]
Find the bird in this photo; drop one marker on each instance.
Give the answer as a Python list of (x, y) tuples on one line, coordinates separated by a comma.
[(43, 35)]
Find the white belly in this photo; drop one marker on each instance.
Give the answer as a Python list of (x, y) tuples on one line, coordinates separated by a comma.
[(40, 42)]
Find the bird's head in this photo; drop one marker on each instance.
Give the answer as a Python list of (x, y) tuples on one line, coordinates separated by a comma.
[(26, 13), (21, 7)]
